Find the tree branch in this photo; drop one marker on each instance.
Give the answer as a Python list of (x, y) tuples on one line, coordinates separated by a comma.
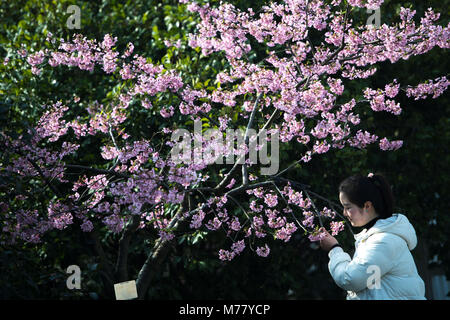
[(93, 234), (97, 171), (289, 207), (121, 269), (247, 187), (246, 138), (227, 177), (154, 261), (46, 180)]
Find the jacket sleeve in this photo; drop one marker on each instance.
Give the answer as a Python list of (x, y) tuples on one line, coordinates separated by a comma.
[(375, 257)]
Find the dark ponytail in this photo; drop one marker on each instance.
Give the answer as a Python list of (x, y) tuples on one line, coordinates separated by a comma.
[(374, 188)]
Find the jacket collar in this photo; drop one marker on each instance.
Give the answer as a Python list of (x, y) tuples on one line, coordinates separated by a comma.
[(364, 233)]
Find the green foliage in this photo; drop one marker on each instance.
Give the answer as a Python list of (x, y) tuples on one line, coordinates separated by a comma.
[(297, 270)]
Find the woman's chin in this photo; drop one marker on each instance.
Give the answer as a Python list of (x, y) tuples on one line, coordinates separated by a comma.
[(356, 225)]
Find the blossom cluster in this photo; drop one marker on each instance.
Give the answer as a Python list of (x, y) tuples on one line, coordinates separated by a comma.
[(432, 87), (301, 81), (230, 30)]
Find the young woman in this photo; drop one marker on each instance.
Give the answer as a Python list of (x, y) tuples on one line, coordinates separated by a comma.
[(382, 267)]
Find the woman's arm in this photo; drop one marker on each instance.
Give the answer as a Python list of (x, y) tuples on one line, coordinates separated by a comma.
[(376, 257)]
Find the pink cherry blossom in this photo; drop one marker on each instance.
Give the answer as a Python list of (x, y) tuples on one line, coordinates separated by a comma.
[(263, 251), (431, 87), (301, 84), (36, 59), (336, 227), (385, 144)]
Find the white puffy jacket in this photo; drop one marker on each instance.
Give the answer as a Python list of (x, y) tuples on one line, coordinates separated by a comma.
[(382, 267)]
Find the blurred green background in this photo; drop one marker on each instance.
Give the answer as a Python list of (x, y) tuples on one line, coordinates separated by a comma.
[(418, 172)]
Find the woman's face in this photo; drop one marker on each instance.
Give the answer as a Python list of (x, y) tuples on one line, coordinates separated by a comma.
[(353, 213)]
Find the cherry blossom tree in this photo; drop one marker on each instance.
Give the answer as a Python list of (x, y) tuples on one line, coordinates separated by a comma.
[(287, 69)]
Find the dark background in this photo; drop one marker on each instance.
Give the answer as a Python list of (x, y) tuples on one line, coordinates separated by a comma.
[(418, 172)]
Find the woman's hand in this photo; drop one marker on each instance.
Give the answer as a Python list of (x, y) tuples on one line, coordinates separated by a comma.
[(328, 241)]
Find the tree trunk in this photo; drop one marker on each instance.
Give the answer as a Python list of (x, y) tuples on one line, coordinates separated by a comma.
[(155, 260)]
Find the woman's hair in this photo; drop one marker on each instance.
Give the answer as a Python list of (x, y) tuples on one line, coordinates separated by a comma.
[(374, 188)]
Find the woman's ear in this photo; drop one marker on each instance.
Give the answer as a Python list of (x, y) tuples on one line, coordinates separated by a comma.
[(367, 205)]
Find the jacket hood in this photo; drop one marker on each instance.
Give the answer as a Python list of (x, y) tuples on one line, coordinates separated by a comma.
[(397, 224)]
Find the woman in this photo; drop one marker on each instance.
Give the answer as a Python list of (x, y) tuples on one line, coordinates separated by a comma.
[(382, 267)]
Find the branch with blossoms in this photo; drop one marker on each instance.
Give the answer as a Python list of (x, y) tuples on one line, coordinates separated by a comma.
[(293, 89)]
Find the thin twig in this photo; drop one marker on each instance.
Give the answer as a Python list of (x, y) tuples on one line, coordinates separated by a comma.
[(317, 212), (116, 161), (246, 214), (246, 138), (225, 180), (97, 170), (47, 182), (335, 53), (287, 204)]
